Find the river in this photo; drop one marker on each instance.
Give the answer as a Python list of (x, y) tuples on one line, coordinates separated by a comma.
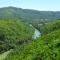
[(37, 33)]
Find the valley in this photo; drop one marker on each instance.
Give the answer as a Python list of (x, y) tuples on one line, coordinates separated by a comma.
[(29, 34)]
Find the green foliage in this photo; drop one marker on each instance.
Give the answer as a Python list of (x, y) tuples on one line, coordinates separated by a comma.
[(49, 27), (28, 15), (46, 47), (12, 33)]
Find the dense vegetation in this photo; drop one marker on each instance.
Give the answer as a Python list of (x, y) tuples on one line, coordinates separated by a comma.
[(12, 33), (48, 27), (28, 15), (46, 47), (16, 34)]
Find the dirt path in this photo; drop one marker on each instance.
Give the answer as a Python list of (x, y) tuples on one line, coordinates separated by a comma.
[(4, 55)]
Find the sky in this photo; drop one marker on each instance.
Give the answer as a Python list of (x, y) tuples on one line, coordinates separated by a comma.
[(42, 5)]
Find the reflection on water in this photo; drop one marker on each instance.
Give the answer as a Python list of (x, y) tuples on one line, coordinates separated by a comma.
[(37, 34)]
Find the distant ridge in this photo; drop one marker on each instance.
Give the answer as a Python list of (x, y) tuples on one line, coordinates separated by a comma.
[(28, 14)]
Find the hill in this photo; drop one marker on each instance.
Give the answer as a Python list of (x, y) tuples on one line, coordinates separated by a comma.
[(17, 35), (46, 47), (14, 33), (28, 15)]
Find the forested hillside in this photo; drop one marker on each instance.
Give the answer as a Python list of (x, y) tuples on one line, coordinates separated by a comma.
[(28, 15), (17, 27), (14, 33), (47, 47), (47, 27)]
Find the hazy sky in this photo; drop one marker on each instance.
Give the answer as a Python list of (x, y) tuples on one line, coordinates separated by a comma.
[(52, 5)]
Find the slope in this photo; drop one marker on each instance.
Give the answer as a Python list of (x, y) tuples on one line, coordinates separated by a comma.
[(45, 48), (28, 15), (13, 33)]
